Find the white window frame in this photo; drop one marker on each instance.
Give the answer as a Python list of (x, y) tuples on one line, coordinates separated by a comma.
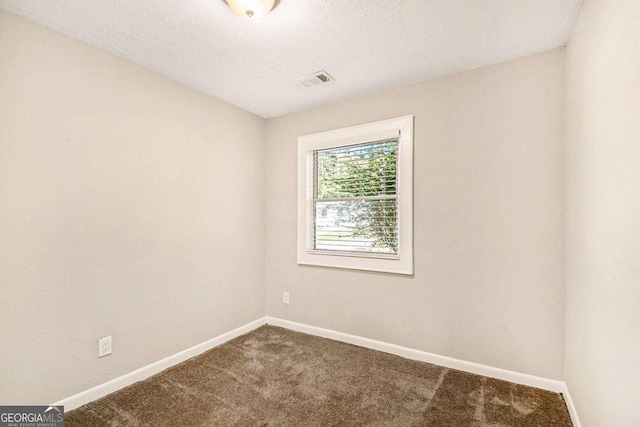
[(400, 263)]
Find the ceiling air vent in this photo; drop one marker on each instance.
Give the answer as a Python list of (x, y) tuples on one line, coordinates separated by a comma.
[(314, 79)]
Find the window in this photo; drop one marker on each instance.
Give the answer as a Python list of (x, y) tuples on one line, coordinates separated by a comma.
[(355, 198), (355, 204)]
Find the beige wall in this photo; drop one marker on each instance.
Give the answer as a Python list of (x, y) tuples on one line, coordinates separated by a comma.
[(489, 221), (603, 214), (132, 206), (129, 206)]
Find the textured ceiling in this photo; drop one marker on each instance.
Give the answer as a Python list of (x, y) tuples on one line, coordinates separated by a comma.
[(366, 45)]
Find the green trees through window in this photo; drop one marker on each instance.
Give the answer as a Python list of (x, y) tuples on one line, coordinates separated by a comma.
[(355, 198)]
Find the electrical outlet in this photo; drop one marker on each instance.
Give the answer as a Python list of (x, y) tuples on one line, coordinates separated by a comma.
[(285, 297), (104, 346)]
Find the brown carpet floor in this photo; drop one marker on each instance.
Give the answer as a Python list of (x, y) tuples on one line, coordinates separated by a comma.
[(276, 377)]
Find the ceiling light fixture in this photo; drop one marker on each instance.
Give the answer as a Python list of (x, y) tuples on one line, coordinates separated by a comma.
[(251, 8)]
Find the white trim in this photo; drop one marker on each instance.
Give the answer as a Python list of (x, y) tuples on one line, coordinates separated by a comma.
[(125, 380), (116, 384), (423, 356), (402, 263), (571, 407)]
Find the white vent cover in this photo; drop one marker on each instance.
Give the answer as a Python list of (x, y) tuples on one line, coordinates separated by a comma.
[(314, 79)]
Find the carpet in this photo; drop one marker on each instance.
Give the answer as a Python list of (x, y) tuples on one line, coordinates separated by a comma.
[(277, 377)]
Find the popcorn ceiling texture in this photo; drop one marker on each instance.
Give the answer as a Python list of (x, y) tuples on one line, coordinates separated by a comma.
[(367, 45)]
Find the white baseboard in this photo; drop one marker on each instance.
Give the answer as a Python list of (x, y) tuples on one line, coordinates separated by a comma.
[(423, 356), (571, 407), (116, 384)]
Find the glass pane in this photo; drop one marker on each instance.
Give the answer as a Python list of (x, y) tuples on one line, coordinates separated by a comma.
[(357, 226), (357, 170)]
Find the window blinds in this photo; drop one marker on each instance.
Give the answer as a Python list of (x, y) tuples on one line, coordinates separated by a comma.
[(355, 198)]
